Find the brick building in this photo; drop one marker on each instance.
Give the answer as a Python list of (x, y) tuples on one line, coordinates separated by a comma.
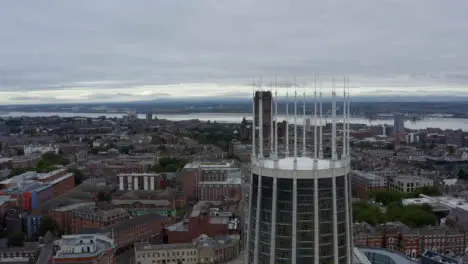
[(19, 255), (140, 207), (206, 177), (64, 215), (202, 249), (32, 188), (231, 188), (121, 164), (365, 182), (23, 162), (6, 202), (206, 218), (96, 217), (175, 197), (63, 184), (140, 228), (30, 194), (412, 242), (409, 183)]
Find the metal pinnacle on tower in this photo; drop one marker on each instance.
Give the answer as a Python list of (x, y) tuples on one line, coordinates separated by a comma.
[(295, 121), (321, 125), (304, 123), (287, 122)]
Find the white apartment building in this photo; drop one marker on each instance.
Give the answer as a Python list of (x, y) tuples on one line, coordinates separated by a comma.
[(40, 149), (407, 184), (139, 181)]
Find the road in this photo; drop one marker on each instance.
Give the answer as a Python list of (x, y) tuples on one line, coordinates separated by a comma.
[(46, 254)]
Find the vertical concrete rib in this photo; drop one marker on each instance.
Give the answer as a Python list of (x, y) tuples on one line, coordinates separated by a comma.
[(316, 216), (247, 235), (294, 192), (287, 122), (273, 215), (253, 161), (346, 179), (257, 218), (272, 141), (348, 163), (316, 196), (321, 126), (294, 216), (333, 160), (304, 149)]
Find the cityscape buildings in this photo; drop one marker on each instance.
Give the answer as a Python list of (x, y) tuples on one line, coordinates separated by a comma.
[(299, 204), (90, 248)]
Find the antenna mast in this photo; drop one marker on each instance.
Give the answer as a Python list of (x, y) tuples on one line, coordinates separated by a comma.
[(321, 124), (295, 120), (348, 113), (315, 120), (272, 147), (276, 120), (333, 120), (344, 136), (304, 125), (287, 121)]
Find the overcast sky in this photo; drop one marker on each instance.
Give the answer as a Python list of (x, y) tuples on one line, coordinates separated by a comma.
[(114, 50)]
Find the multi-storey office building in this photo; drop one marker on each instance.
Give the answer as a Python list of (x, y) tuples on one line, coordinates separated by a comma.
[(299, 205)]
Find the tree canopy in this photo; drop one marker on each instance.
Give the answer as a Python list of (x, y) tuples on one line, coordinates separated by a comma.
[(216, 134), (49, 160), (364, 212), (48, 224), (463, 175), (47, 163), (104, 196), (387, 197), (233, 156), (168, 164), (411, 215), (16, 240)]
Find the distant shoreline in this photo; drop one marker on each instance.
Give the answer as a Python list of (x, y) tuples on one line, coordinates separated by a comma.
[(434, 122)]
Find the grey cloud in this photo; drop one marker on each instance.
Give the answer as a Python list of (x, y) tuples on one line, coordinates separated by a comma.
[(126, 96), (56, 44), (34, 98)]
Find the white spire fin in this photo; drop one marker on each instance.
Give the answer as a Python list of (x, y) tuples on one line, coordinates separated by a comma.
[(287, 122), (333, 120), (320, 124), (315, 121), (295, 120), (344, 140)]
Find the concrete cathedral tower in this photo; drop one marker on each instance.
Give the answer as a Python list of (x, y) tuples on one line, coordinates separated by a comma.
[(300, 202)]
